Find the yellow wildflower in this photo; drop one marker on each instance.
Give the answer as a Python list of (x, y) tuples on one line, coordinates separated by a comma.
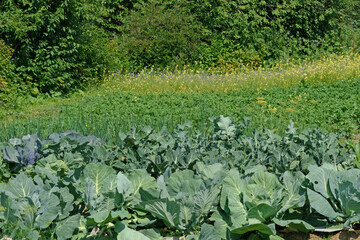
[(291, 110), (273, 109)]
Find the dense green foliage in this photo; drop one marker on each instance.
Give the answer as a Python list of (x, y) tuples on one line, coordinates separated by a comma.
[(154, 184), (50, 44), (160, 36), (63, 46), (8, 78), (248, 32)]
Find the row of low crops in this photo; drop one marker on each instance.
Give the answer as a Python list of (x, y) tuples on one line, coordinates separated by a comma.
[(156, 184), (321, 93), (333, 107)]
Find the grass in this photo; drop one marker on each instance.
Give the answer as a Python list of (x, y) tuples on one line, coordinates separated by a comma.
[(323, 93)]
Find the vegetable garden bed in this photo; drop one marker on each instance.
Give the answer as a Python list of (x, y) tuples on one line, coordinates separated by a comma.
[(156, 185)]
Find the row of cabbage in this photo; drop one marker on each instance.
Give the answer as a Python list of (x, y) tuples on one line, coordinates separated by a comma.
[(225, 185)]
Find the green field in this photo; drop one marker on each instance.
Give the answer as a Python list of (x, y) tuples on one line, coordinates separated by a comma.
[(314, 97), (187, 153), (179, 119), (162, 163)]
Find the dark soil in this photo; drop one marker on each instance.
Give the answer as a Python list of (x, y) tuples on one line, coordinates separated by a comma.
[(342, 235)]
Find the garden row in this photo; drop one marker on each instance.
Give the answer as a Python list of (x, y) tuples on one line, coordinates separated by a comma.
[(106, 111), (156, 184)]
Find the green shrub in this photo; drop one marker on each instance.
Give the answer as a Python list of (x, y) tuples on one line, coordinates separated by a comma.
[(161, 35), (8, 78), (6, 64), (350, 34), (50, 43), (250, 32)]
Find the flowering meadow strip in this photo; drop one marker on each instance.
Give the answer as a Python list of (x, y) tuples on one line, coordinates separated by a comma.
[(329, 69)]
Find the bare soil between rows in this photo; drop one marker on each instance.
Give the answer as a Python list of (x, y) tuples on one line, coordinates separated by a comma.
[(342, 235)]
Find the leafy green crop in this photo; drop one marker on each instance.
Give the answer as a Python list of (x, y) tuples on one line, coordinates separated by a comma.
[(155, 184), (104, 113)]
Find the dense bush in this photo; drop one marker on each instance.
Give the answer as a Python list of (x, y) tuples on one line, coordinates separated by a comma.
[(231, 32), (8, 78), (158, 34), (253, 31), (49, 42)]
